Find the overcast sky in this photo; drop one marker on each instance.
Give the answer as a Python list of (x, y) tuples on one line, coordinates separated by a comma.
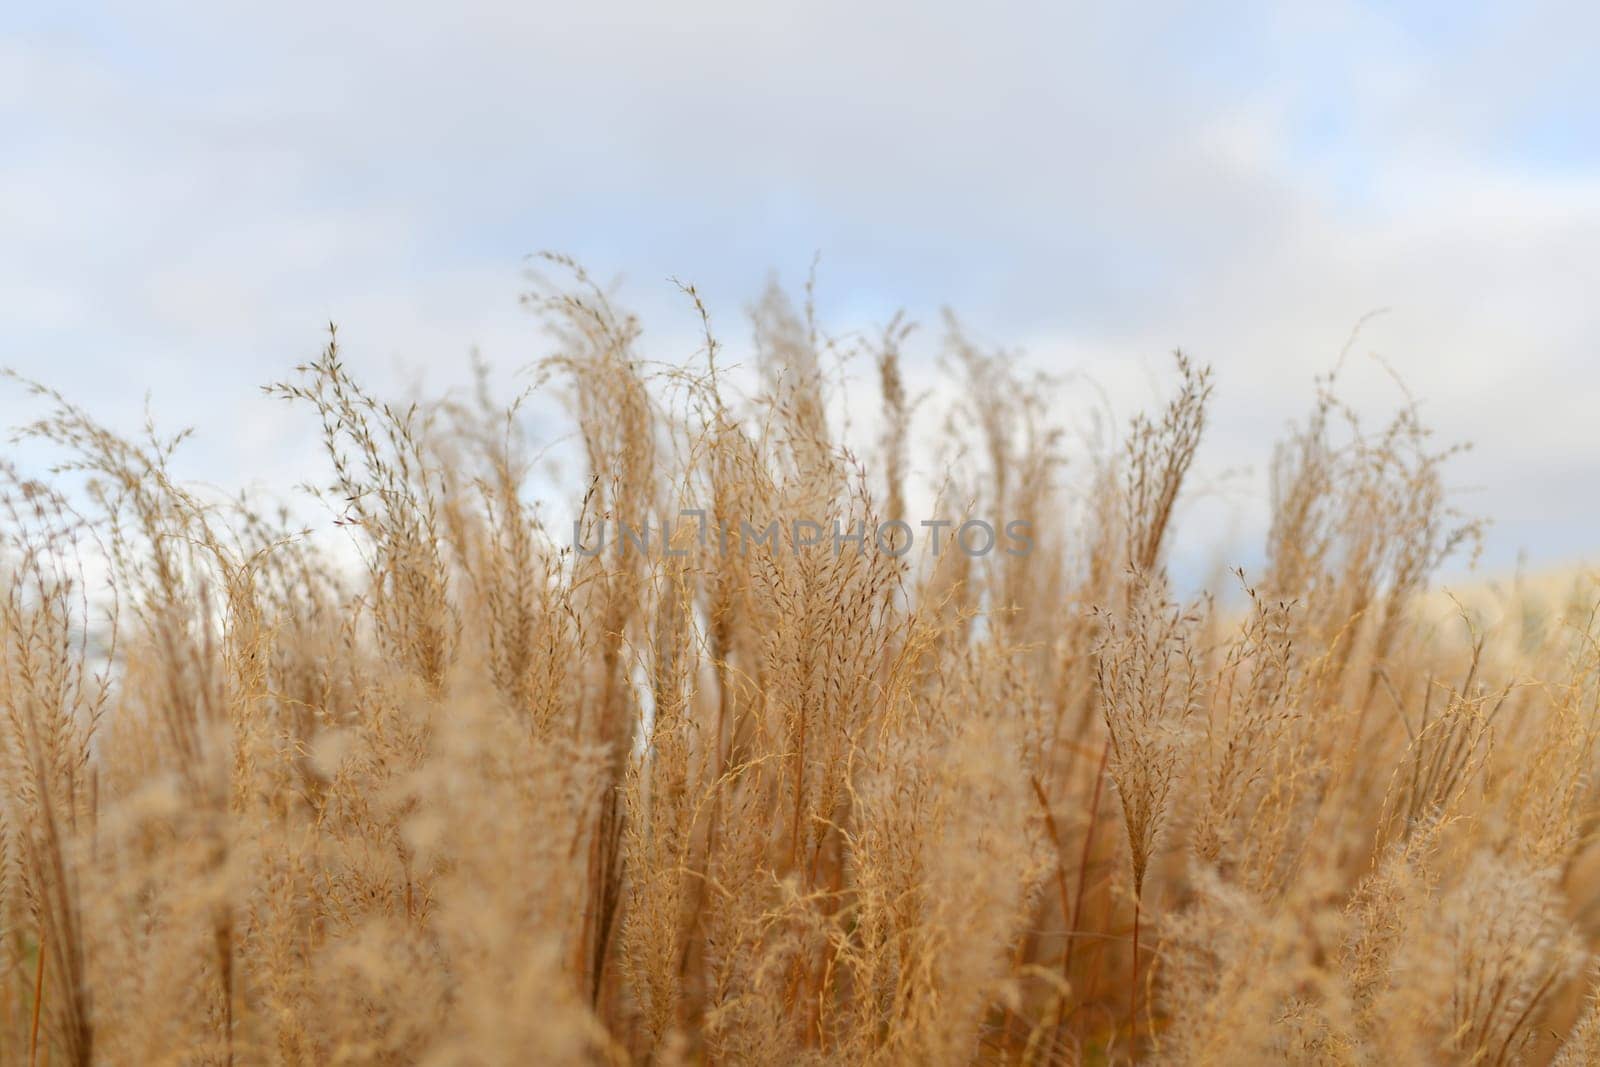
[(189, 192)]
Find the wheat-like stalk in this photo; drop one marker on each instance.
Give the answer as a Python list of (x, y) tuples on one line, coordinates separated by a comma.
[(430, 781)]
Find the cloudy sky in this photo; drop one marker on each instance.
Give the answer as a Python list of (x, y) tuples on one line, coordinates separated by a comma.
[(188, 192)]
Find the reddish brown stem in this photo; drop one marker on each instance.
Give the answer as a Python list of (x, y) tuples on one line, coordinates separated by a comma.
[(1133, 989), (1083, 860), (38, 999)]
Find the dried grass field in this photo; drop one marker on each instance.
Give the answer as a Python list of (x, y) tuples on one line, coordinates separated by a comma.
[(490, 796)]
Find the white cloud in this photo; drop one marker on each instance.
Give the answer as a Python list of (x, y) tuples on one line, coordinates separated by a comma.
[(186, 198)]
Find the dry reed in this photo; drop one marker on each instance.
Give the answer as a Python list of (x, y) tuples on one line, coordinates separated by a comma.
[(484, 798)]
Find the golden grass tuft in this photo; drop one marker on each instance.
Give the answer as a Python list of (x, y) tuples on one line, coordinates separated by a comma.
[(482, 798)]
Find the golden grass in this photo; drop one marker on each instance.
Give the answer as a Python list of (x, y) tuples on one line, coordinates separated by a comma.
[(490, 800)]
